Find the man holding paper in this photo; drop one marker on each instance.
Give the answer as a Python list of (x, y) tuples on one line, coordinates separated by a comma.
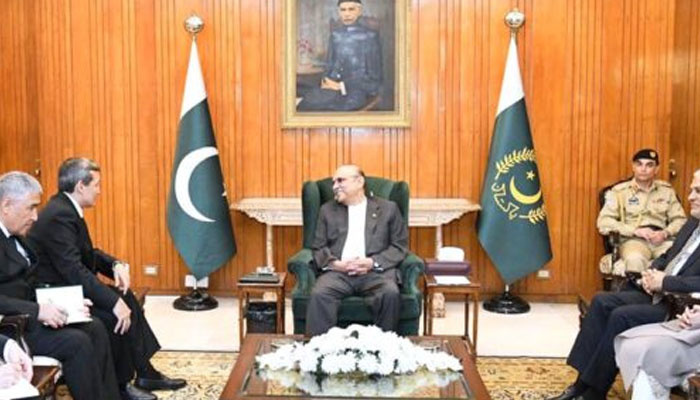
[(82, 349), (67, 257)]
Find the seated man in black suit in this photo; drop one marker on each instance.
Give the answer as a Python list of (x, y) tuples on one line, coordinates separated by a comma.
[(358, 242), (677, 270), (67, 257), (83, 349), (17, 363)]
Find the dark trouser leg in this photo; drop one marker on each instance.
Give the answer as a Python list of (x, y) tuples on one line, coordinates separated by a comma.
[(322, 312), (84, 352), (611, 313), (133, 350), (601, 370), (382, 293)]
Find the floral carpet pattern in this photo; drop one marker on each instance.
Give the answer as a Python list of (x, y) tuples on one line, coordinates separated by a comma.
[(506, 378), (527, 378)]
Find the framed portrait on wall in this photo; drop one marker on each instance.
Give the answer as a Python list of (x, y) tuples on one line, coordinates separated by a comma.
[(346, 63)]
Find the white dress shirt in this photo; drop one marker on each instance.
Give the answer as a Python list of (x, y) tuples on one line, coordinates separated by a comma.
[(354, 246)]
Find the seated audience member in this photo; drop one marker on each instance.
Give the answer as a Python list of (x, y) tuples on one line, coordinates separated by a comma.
[(358, 242), (657, 357), (645, 212), (67, 257), (82, 349), (677, 270), (17, 363)]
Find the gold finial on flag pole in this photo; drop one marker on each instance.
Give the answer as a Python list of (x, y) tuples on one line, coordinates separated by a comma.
[(514, 20), (194, 24)]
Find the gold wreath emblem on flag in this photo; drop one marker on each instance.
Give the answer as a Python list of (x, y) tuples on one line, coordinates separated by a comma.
[(508, 197)]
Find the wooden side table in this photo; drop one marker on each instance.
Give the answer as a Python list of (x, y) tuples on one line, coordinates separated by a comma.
[(469, 291), (246, 289)]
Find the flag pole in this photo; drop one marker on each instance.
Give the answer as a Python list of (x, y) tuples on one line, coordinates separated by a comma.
[(508, 303), (198, 299)]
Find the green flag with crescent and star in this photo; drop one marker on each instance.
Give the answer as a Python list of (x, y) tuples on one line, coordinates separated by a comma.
[(198, 211), (512, 225)]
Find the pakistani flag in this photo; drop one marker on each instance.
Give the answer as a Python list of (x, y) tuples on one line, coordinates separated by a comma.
[(198, 213), (512, 225)]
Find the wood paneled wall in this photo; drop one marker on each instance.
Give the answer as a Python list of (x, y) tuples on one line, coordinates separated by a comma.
[(105, 79), (685, 121), (19, 140)]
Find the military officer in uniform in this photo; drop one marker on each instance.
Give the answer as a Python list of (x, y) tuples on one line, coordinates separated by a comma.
[(645, 212), (353, 71)]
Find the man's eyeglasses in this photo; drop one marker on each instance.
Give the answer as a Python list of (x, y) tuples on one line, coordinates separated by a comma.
[(342, 179)]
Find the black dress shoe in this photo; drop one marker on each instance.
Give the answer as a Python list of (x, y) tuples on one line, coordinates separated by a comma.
[(131, 392), (592, 394), (161, 383), (569, 393)]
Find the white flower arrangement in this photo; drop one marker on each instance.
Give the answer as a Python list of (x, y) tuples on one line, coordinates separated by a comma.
[(357, 349), (342, 385)]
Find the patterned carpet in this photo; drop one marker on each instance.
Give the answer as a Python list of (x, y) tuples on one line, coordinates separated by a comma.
[(505, 378), (522, 378)]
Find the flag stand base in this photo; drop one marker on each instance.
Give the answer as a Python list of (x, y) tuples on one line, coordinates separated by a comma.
[(506, 303), (196, 300)]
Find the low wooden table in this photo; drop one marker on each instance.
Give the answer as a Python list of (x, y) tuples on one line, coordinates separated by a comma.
[(243, 383), (246, 289), (470, 291)]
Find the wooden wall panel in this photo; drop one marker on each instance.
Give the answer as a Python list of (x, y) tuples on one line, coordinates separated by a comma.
[(19, 147), (685, 121), (105, 79)]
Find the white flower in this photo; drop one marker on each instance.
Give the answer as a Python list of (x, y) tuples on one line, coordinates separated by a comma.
[(365, 349), (368, 364), (386, 365), (307, 358)]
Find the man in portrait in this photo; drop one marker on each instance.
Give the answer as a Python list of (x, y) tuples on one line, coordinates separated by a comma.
[(353, 73)]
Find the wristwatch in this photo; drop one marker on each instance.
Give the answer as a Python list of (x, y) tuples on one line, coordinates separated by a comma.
[(377, 267)]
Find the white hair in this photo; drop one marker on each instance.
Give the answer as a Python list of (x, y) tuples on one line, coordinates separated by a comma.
[(17, 185)]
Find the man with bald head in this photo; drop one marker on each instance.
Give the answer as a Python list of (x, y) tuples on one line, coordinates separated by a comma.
[(358, 243), (677, 270)]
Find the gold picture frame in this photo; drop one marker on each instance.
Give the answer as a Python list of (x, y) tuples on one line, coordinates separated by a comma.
[(310, 28)]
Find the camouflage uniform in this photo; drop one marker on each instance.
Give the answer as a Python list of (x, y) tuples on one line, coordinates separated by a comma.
[(657, 208)]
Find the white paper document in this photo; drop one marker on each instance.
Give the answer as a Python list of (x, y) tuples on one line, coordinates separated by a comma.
[(451, 280), (69, 298), (22, 389)]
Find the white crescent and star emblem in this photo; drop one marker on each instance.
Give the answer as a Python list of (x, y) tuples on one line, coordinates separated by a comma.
[(182, 180)]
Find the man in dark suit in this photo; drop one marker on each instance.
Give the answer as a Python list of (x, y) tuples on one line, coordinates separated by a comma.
[(83, 349), (358, 242), (677, 270), (67, 257)]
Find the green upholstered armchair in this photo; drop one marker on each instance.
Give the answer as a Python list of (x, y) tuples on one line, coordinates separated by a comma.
[(353, 309)]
